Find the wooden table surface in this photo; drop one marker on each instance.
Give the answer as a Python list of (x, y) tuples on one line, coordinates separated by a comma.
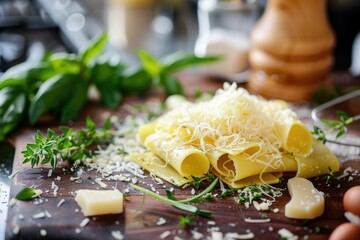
[(139, 220)]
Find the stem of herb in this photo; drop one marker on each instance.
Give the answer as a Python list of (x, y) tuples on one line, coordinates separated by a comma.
[(176, 204), (207, 190)]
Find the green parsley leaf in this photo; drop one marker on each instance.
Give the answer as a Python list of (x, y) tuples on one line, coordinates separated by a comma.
[(25, 194), (185, 221)]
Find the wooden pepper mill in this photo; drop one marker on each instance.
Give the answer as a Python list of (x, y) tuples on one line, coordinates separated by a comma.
[(291, 51)]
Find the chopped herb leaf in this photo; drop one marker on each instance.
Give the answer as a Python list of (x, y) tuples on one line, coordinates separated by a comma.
[(25, 194)]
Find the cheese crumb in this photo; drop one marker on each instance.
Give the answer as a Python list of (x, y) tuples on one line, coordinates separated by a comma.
[(117, 235), (61, 202), (84, 222), (160, 221), (16, 230), (99, 181), (47, 214), (217, 236), (39, 215), (12, 202), (50, 172), (11, 176), (196, 235), (165, 234), (43, 232), (286, 234), (248, 235), (251, 220)]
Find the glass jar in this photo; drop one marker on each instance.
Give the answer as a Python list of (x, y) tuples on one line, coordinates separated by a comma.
[(224, 29)]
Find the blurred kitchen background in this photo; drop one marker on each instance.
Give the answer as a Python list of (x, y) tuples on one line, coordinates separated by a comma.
[(29, 28)]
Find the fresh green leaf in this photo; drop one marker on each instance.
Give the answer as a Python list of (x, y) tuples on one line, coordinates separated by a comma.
[(135, 81), (170, 195), (341, 132), (180, 60), (13, 102), (18, 71), (330, 123), (150, 63), (106, 78), (171, 85), (51, 94), (93, 49), (78, 99), (330, 176), (65, 63), (25, 194), (185, 221), (343, 115)]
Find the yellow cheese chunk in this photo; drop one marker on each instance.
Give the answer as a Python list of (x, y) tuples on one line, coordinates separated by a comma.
[(306, 201), (99, 202)]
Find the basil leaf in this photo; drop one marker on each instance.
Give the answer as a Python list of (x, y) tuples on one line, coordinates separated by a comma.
[(180, 60), (171, 85), (94, 48), (51, 94), (65, 63), (151, 64), (25, 194), (17, 75), (18, 71), (13, 103), (135, 81), (78, 99), (106, 78)]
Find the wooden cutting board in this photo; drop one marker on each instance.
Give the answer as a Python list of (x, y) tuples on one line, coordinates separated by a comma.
[(141, 217)]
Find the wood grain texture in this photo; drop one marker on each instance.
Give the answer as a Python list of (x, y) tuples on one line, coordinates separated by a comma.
[(139, 221)]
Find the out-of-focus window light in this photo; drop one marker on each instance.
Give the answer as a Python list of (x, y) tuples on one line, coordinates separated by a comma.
[(162, 25), (75, 22)]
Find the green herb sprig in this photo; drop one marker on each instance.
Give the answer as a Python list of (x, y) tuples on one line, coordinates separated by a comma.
[(59, 84), (338, 126), (198, 198), (330, 176), (181, 204), (197, 181), (185, 221), (70, 145)]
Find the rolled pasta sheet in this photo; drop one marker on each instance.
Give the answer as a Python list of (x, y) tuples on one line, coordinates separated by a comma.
[(318, 162), (266, 178), (145, 131), (243, 167), (185, 159), (234, 146), (154, 164), (296, 137)]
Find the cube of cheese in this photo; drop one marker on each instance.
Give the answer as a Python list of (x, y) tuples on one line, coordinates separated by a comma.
[(306, 201), (99, 202)]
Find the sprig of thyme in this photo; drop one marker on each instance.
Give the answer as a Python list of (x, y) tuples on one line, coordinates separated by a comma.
[(70, 145), (338, 126), (330, 176)]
